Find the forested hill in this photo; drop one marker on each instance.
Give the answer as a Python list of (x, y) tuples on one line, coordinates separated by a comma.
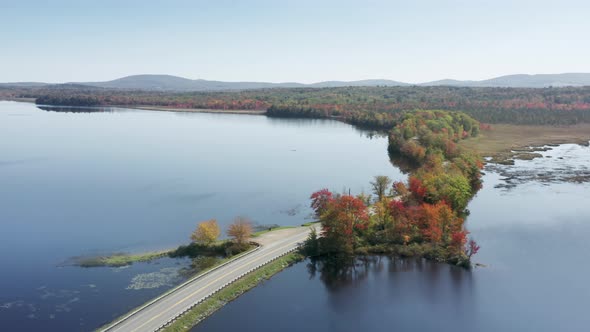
[(376, 107), (523, 81), (179, 84)]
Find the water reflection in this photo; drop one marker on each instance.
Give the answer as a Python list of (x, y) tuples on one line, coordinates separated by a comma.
[(76, 109), (404, 164), (339, 273)]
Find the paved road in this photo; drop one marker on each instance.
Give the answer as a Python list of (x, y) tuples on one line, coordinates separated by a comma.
[(151, 318)]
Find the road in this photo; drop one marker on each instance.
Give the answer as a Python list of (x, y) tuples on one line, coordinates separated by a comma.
[(168, 307)]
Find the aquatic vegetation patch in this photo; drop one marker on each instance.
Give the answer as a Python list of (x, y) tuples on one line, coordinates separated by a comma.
[(568, 163), (168, 276), (116, 259)]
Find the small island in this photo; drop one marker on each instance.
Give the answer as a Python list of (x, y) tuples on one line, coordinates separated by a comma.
[(424, 217)]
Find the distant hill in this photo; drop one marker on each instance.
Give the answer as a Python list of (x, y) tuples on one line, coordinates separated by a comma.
[(24, 84), (175, 83), (335, 84), (539, 81), (449, 82), (523, 81)]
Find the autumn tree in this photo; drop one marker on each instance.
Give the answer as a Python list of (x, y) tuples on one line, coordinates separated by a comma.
[(340, 218), (320, 201), (206, 233), (381, 215), (399, 189), (472, 248), (240, 230), (380, 185)]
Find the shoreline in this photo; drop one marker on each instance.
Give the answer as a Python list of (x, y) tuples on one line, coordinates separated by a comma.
[(20, 100), (149, 107), (191, 110), (119, 259)]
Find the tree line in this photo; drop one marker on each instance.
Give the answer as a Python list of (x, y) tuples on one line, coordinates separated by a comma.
[(376, 107)]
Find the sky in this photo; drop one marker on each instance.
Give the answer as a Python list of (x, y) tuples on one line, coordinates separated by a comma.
[(291, 41)]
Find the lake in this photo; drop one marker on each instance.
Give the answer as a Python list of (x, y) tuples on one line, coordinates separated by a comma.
[(533, 231), (96, 181)]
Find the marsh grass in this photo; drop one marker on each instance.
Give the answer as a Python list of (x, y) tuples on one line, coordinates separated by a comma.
[(504, 142), (120, 259)]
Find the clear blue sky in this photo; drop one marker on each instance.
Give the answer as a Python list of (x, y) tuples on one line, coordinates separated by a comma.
[(304, 41)]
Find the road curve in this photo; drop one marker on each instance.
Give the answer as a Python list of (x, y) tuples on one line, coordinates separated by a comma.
[(163, 310)]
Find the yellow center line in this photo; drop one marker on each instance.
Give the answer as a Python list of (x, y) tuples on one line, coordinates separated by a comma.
[(201, 288)]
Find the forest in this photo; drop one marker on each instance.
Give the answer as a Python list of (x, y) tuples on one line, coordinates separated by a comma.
[(374, 107), (424, 217)]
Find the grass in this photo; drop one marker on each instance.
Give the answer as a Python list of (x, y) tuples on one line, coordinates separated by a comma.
[(311, 223), (221, 261), (417, 250), (231, 292), (502, 139), (120, 259), (256, 234), (221, 248)]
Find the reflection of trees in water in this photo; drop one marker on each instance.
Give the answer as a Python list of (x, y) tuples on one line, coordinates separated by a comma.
[(404, 164), (423, 278), (340, 272), (434, 280), (370, 134), (66, 109)]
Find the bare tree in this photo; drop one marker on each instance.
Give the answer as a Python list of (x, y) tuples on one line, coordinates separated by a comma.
[(240, 230)]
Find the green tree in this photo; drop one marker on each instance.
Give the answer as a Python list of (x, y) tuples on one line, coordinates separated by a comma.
[(311, 247), (380, 185)]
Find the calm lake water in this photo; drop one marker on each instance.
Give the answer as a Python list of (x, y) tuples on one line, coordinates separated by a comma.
[(127, 180), (116, 180), (533, 232)]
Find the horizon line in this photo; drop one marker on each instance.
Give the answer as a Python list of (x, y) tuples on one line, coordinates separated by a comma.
[(296, 82)]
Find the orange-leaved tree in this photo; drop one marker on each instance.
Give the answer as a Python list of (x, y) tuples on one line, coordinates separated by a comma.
[(240, 230)]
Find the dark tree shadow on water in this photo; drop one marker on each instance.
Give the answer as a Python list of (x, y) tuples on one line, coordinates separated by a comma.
[(76, 109), (404, 164), (433, 280), (340, 272)]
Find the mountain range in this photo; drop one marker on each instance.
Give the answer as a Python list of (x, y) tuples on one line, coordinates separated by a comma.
[(175, 83)]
